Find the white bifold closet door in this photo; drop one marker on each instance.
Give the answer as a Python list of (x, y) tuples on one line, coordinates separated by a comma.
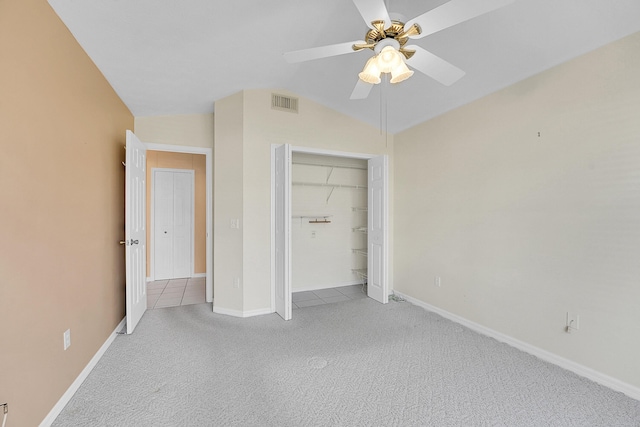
[(173, 224), (282, 200), (378, 229)]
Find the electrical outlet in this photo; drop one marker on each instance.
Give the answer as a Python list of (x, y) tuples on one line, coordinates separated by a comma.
[(436, 281), (67, 338), (236, 283), (573, 322), (313, 234)]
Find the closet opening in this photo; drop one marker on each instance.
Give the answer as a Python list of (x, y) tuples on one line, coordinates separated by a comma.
[(179, 222), (328, 229)]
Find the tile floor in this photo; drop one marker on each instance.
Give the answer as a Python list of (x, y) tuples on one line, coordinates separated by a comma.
[(175, 292), (327, 296)]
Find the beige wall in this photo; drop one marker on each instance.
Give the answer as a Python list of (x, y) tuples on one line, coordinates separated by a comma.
[(246, 124), (62, 209), (196, 163), (193, 130), (227, 202), (522, 228)]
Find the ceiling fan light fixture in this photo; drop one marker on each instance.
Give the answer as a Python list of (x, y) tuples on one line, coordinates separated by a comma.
[(387, 37), (371, 72), (400, 73)]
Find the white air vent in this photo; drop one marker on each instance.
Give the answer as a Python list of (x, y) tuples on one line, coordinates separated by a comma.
[(284, 103)]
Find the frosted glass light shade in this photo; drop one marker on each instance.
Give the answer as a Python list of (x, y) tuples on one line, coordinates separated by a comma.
[(400, 73), (388, 59), (371, 72)]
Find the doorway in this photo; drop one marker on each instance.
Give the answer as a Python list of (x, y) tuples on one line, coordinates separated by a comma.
[(206, 228), (376, 272), (328, 228)]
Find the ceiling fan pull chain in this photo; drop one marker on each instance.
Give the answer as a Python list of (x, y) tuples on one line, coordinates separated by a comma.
[(381, 111)]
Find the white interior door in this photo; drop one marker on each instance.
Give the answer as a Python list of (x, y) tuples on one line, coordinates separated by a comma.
[(282, 202), (377, 236), (135, 233), (172, 223)]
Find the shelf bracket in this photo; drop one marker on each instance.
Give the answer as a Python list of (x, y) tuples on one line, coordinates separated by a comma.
[(330, 193), (329, 175)]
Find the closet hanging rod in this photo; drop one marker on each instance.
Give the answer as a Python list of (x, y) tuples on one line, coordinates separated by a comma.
[(364, 168), (315, 219)]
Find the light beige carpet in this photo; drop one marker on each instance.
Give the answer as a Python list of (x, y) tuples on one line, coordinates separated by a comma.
[(356, 363)]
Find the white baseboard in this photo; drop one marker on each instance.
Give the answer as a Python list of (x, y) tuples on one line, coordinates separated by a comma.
[(238, 313), (258, 312), (151, 279), (227, 311), (576, 368), (66, 397), (318, 288)]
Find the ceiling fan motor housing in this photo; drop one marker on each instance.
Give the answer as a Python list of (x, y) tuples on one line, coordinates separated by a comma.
[(373, 36)]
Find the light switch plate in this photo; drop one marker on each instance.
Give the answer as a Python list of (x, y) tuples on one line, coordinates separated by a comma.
[(67, 338)]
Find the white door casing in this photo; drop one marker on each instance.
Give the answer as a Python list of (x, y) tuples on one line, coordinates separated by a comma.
[(135, 233), (377, 235), (282, 201), (172, 219)]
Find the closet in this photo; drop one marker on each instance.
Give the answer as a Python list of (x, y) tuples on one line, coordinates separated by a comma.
[(329, 221), (172, 223)]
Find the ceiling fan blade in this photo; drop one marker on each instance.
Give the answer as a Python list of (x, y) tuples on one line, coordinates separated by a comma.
[(452, 13), (320, 52), (361, 91), (373, 10), (434, 66)]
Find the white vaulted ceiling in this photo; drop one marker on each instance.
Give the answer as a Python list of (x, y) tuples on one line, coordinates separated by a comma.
[(178, 57)]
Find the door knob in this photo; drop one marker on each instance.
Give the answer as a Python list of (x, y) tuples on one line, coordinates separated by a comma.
[(123, 242)]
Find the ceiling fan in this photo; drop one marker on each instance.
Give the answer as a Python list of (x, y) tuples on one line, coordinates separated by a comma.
[(388, 36)]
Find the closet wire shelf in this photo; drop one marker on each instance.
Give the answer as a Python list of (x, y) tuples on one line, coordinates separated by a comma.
[(326, 184), (326, 165), (362, 252), (361, 273)]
